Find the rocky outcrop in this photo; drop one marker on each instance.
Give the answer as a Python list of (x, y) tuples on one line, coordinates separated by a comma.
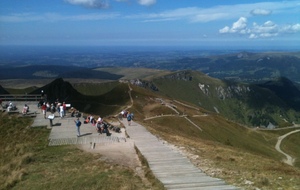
[(182, 75), (231, 91), (144, 84), (204, 88), (222, 92)]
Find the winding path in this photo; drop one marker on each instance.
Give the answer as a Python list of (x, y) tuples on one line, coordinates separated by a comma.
[(289, 160)]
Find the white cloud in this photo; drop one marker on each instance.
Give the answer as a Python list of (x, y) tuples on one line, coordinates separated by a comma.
[(224, 30), (98, 4), (146, 2), (267, 27), (268, 35), (263, 12), (253, 36), (240, 26), (291, 28), (266, 30)]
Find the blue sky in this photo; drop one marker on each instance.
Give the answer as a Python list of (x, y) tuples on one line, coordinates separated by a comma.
[(215, 23)]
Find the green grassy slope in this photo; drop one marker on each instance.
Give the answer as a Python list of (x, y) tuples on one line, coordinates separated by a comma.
[(233, 152), (27, 162), (248, 104)]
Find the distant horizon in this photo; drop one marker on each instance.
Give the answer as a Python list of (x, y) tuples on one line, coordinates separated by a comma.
[(157, 47)]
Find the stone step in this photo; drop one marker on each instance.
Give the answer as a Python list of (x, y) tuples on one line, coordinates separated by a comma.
[(86, 140), (173, 163), (180, 174), (176, 167), (194, 185), (188, 179)]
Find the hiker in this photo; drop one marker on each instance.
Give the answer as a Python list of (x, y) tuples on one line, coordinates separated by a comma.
[(121, 115), (93, 121), (105, 129), (52, 109), (125, 114), (48, 107), (91, 118), (99, 120), (40, 103), (44, 107), (73, 112), (129, 118), (25, 109), (61, 111), (57, 107), (11, 107), (64, 108), (78, 124), (87, 120), (99, 128)]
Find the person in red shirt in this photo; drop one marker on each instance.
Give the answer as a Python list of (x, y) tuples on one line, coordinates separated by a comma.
[(44, 108), (65, 108)]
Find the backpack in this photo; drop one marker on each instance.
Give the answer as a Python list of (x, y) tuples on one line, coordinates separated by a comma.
[(78, 124)]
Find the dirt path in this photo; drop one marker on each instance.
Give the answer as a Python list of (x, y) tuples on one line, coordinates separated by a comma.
[(289, 160)]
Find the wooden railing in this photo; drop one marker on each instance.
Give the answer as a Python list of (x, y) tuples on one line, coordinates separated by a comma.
[(20, 97)]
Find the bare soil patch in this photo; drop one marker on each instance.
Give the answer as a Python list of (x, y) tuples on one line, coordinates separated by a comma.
[(120, 153)]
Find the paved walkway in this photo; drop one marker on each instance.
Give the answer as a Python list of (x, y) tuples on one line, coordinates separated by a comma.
[(172, 168), (63, 130)]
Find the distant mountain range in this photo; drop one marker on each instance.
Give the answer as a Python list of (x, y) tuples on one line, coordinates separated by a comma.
[(240, 66)]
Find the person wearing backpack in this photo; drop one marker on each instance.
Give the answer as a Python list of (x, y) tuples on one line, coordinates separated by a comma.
[(78, 124), (129, 118)]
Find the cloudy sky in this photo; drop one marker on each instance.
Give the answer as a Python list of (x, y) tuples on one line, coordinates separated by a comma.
[(213, 23)]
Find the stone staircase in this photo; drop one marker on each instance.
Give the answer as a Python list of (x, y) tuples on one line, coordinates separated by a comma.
[(172, 168)]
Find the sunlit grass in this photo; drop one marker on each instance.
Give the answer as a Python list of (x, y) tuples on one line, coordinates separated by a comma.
[(27, 162), (227, 150)]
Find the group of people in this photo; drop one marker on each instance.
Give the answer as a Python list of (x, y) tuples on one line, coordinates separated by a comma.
[(100, 125), (57, 106), (9, 106), (127, 115)]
